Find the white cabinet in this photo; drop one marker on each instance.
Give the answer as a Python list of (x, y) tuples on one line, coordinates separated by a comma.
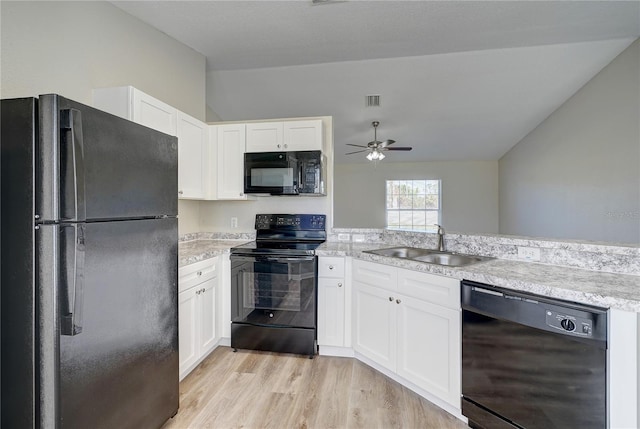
[(132, 104), (194, 166), (197, 300), (193, 157), (230, 143), (265, 137), (153, 113), (303, 135), (331, 301), (284, 136), (409, 323)]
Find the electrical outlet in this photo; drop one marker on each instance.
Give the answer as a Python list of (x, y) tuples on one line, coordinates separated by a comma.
[(344, 237), (234, 222), (358, 238), (529, 253)]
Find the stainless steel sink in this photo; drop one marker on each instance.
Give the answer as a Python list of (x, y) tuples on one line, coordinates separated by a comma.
[(430, 256), (451, 259), (401, 252)]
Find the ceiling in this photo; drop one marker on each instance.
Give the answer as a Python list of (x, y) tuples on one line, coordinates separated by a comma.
[(458, 80)]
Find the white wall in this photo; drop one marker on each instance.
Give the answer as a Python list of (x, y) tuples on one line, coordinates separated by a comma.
[(70, 48), (469, 193), (577, 175)]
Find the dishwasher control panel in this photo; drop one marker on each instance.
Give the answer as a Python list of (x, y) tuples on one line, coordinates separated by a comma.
[(569, 323)]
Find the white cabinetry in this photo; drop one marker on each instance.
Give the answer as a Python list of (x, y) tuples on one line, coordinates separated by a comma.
[(303, 135), (265, 137), (230, 143), (193, 157), (284, 136), (409, 323), (197, 298), (331, 301), (193, 152)]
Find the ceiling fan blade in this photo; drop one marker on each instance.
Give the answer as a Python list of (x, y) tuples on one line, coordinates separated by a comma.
[(358, 151), (386, 143), (397, 148), (356, 145)]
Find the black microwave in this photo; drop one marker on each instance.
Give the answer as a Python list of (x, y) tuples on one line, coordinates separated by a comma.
[(284, 173)]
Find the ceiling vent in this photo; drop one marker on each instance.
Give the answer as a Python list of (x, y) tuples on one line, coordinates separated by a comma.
[(373, 101)]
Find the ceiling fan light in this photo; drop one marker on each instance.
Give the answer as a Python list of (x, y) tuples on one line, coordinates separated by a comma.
[(370, 156), (380, 156)]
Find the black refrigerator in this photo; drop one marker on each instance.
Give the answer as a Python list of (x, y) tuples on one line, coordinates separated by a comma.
[(89, 268)]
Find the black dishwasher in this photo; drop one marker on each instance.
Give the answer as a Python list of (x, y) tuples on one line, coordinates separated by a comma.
[(532, 362)]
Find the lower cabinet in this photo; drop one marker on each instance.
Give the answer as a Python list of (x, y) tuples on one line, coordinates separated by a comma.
[(197, 298), (409, 323), (331, 301)]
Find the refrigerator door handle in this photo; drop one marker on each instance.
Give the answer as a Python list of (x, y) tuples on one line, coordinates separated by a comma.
[(72, 166), (72, 278)]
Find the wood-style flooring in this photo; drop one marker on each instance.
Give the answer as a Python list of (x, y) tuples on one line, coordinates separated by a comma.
[(251, 389)]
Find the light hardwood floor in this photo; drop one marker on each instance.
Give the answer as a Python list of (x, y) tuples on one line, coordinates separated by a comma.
[(251, 389)]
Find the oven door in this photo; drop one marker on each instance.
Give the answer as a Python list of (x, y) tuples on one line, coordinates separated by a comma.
[(275, 173), (274, 291)]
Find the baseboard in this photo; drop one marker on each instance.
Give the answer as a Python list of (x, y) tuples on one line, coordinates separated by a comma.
[(335, 351)]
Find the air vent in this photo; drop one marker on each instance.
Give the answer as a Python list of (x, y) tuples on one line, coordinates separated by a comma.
[(373, 100)]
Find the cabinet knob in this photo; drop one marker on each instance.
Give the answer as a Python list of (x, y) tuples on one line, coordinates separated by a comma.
[(286, 146), (202, 290), (197, 292), (339, 284), (180, 192), (331, 267), (199, 273), (398, 301), (278, 146), (390, 298)]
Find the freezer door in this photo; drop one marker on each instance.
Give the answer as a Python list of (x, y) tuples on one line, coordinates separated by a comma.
[(115, 283), (91, 165)]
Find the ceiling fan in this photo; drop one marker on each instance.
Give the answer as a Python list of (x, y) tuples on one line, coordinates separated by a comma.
[(376, 147)]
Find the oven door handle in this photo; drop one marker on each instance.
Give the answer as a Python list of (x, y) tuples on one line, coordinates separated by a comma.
[(281, 259)]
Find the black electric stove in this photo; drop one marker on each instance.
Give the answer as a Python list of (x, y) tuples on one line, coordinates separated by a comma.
[(274, 285), (286, 234)]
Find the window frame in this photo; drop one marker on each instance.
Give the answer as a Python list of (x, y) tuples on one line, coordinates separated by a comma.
[(428, 227)]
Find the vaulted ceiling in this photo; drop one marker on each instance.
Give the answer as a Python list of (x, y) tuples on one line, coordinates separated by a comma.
[(457, 80)]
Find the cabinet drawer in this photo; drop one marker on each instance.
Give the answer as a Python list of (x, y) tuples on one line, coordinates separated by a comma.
[(432, 288), (329, 266), (373, 274), (193, 274)]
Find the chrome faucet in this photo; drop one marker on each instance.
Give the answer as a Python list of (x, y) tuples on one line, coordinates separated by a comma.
[(440, 237)]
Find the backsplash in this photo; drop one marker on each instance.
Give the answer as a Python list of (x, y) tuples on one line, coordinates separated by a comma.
[(248, 236), (579, 254)]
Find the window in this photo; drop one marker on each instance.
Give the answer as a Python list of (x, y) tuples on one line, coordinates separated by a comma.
[(413, 204)]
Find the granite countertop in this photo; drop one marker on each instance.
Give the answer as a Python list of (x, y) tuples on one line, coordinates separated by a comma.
[(620, 291), (190, 252)]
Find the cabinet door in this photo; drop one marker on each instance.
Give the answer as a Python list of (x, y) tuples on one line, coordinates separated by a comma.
[(331, 308), (374, 311), (207, 306), (231, 148), (303, 135), (429, 348), (264, 137), (187, 328), (192, 157), (153, 113)]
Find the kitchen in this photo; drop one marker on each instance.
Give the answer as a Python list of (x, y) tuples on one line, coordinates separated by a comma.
[(112, 49)]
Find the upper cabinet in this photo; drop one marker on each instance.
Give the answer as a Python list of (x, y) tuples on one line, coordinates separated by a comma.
[(303, 135), (265, 137), (193, 152), (284, 136), (153, 113), (193, 158), (230, 143)]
